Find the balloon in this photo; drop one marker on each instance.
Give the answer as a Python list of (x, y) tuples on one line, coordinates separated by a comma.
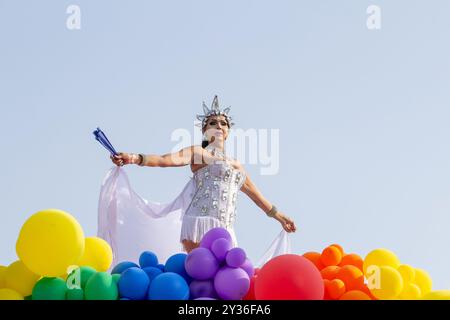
[(248, 267), (385, 283), (2, 276), (351, 276), (75, 294), (133, 284), (148, 259), (381, 257), (331, 256), (168, 286), (437, 295), (79, 277), (49, 242), (9, 294), (330, 272), (212, 235), (152, 272), (176, 264), (423, 280), (19, 278), (410, 291), (161, 267), (101, 286), (251, 290), (231, 283), (355, 295), (121, 267), (235, 257), (202, 288), (314, 257), (289, 277), (201, 264), (353, 260), (220, 247), (205, 298), (408, 273), (116, 277), (341, 250), (334, 289), (50, 289), (97, 254)]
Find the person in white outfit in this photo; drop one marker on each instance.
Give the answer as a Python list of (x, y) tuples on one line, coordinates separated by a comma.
[(217, 180)]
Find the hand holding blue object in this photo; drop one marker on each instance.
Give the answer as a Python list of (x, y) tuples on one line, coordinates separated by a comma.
[(101, 137)]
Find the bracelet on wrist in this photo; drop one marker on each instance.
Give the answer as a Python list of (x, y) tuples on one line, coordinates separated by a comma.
[(272, 211)]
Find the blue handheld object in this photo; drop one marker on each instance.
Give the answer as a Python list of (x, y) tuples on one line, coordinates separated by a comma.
[(101, 137)]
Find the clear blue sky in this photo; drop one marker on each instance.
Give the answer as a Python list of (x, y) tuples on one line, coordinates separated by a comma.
[(363, 115)]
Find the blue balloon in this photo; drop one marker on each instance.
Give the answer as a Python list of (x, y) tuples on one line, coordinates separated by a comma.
[(176, 264), (168, 286), (161, 267), (148, 259), (133, 284), (152, 272), (121, 267)]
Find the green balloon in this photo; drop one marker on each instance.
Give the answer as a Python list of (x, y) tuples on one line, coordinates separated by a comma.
[(75, 294), (28, 297), (49, 288), (116, 277), (84, 273), (101, 286)]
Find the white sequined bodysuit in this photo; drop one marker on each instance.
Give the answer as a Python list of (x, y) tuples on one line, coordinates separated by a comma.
[(213, 201)]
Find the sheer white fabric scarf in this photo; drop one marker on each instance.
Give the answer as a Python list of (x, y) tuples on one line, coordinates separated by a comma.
[(132, 224)]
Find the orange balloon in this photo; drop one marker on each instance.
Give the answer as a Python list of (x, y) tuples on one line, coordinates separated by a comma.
[(351, 276), (366, 290), (314, 257), (334, 289), (339, 247), (329, 272), (354, 295), (352, 259), (331, 256)]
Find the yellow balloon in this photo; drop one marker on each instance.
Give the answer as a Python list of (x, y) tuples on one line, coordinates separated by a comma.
[(437, 295), (8, 294), (2, 276), (97, 254), (423, 280), (381, 257), (49, 242), (385, 283), (20, 279), (408, 273), (410, 291)]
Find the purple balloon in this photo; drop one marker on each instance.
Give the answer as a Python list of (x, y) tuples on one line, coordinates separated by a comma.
[(201, 264), (202, 288), (236, 257), (205, 298), (220, 247), (247, 266), (231, 283), (212, 235)]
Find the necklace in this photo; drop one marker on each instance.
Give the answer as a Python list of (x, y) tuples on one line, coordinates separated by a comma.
[(216, 151)]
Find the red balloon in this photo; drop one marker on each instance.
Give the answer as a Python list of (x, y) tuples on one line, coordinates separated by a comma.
[(251, 291), (289, 277)]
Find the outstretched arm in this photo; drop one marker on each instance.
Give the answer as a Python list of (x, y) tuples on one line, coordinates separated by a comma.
[(182, 157), (250, 189)]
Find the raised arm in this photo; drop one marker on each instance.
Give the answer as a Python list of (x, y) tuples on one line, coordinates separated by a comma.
[(179, 158), (250, 189)]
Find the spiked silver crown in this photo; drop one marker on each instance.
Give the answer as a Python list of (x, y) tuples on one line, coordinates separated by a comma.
[(214, 111)]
